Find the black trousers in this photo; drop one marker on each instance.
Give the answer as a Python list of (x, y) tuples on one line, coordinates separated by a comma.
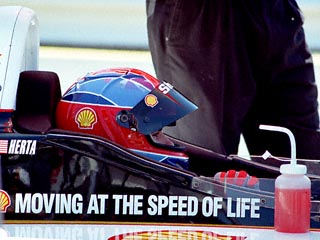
[(244, 63)]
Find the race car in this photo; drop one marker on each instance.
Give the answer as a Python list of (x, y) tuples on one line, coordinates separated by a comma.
[(96, 154)]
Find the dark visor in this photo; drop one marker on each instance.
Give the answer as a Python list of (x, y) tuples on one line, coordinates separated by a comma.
[(161, 107)]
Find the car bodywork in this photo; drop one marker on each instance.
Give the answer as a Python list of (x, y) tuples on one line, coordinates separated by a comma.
[(95, 189)]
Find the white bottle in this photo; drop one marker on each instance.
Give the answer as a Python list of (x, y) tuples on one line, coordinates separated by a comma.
[(292, 192), (292, 199)]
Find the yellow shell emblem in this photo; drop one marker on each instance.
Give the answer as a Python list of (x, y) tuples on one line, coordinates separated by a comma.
[(86, 118), (5, 201), (151, 100)]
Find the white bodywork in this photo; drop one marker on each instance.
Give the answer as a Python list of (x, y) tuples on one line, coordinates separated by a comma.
[(19, 50), (104, 231)]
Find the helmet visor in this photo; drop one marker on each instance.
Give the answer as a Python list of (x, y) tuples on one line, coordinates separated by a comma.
[(161, 107)]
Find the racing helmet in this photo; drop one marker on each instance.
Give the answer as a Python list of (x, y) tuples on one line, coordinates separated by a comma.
[(128, 107)]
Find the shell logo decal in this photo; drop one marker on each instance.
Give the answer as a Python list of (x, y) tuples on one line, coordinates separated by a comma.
[(86, 118), (151, 100), (175, 235), (5, 201)]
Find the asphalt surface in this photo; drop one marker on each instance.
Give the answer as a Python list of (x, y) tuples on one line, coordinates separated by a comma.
[(121, 24)]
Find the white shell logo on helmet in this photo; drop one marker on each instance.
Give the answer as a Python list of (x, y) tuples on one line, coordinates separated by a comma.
[(86, 118)]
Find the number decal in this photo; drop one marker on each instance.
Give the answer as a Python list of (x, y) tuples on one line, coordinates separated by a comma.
[(165, 87)]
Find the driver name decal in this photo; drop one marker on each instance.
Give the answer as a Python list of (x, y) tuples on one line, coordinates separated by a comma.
[(136, 205), (18, 146)]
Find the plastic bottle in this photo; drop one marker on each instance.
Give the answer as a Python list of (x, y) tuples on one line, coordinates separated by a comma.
[(292, 192), (292, 199)]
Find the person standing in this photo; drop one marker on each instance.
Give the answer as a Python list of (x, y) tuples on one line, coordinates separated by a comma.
[(244, 63)]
